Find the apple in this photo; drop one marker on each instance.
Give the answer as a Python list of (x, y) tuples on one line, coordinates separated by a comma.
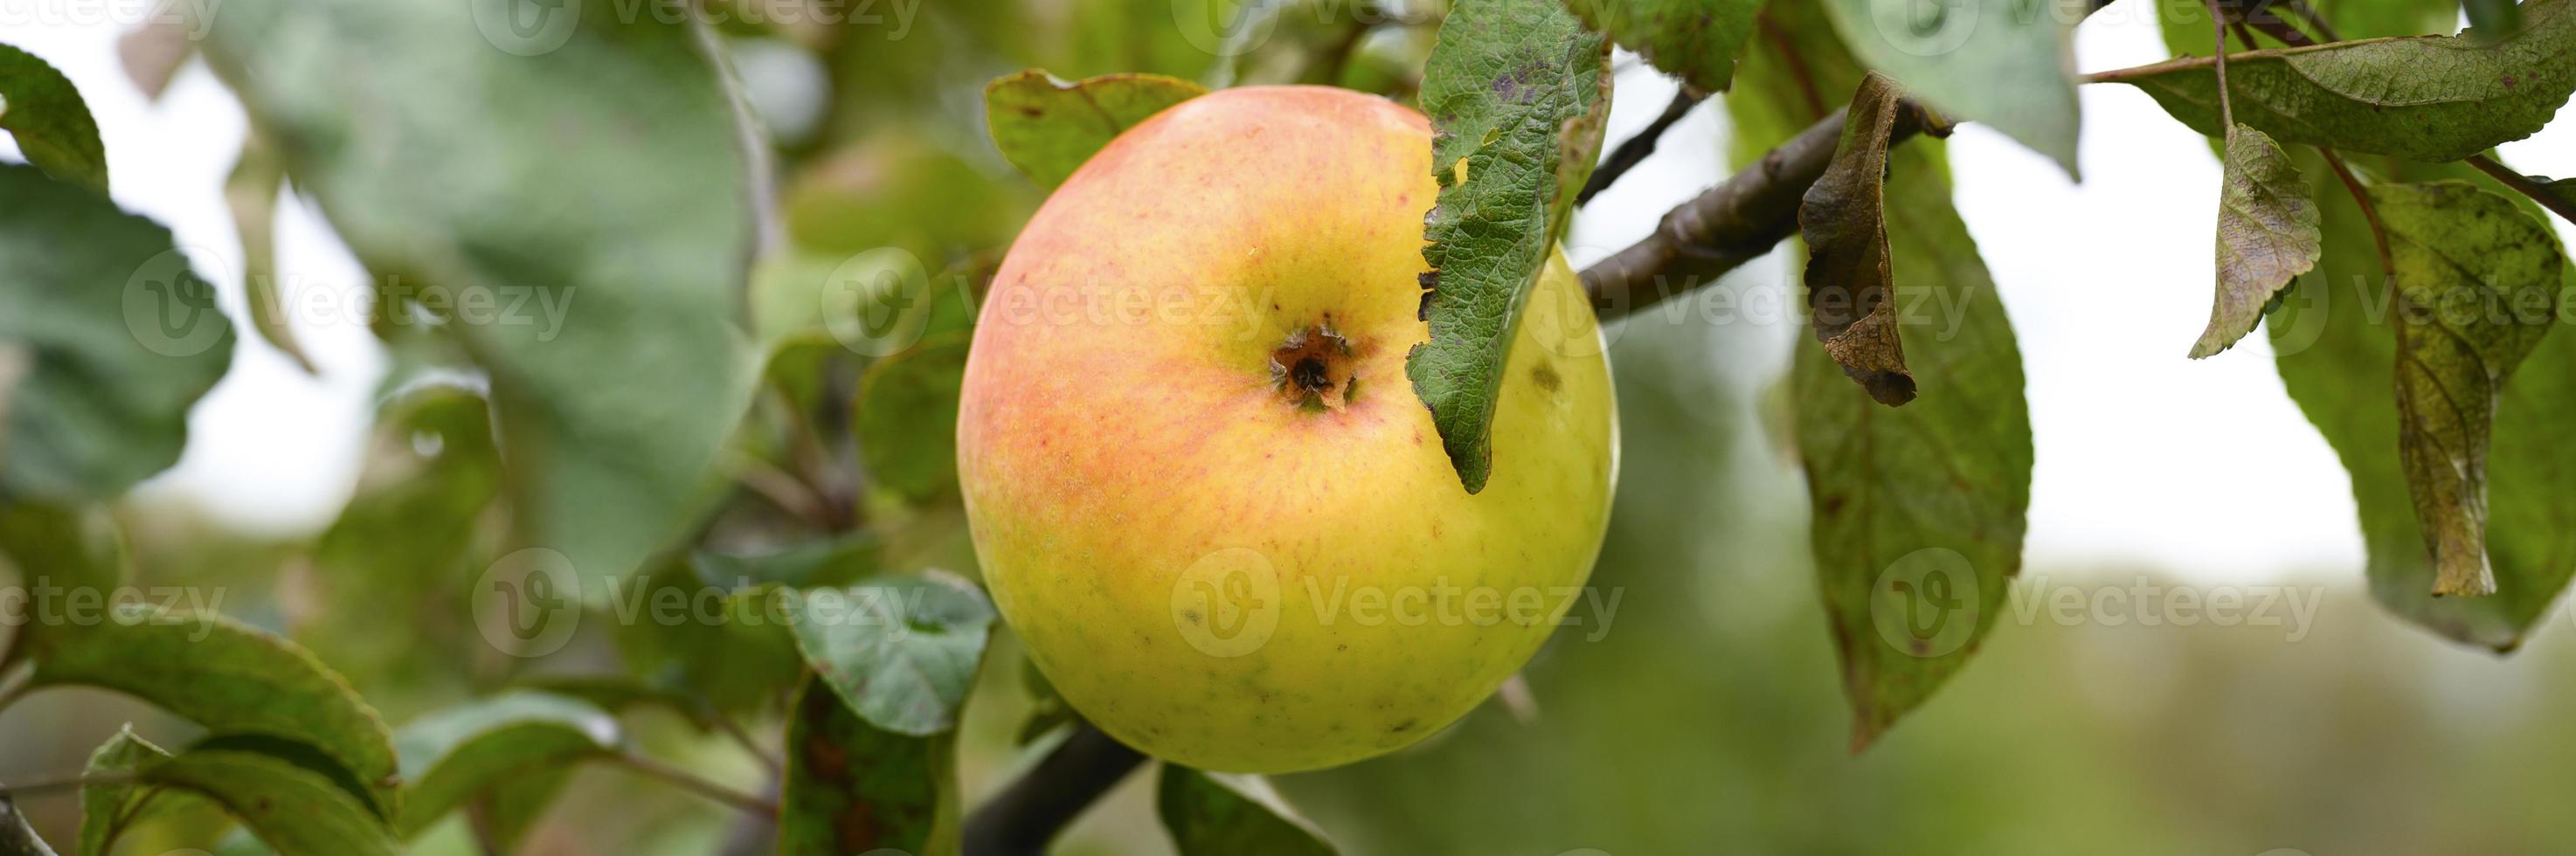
[(1201, 487)]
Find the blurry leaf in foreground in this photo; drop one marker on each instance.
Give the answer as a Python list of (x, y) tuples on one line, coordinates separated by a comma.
[(1516, 91), (1048, 127), (2338, 358), (854, 788), (900, 650), (1850, 295), (450, 756), (120, 338), (585, 236), (2267, 235), (2008, 64), (907, 421), (2477, 285), (41, 108), (251, 191), (229, 677), (295, 811), (115, 803), (1214, 814)]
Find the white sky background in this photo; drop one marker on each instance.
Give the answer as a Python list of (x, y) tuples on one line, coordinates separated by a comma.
[(2202, 468)]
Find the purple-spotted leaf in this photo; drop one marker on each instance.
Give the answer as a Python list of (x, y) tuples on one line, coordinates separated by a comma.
[(2267, 235)]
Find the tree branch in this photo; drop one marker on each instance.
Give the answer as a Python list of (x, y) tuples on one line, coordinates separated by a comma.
[(1021, 819), (2523, 184), (1636, 148), (1734, 222)]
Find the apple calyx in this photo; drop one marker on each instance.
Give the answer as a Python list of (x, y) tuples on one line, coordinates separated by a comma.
[(1313, 368)]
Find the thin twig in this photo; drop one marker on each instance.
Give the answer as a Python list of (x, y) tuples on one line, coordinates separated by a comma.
[(2218, 22), (2524, 185), (1636, 148), (690, 782), (19, 677), (1025, 816), (2361, 196), (2309, 14), (61, 783)]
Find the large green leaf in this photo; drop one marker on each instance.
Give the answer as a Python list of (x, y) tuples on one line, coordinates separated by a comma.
[(2267, 235), (111, 806), (229, 677), (449, 756), (2338, 358), (1918, 511), (854, 788), (907, 421), (41, 108), (2006, 63), (1695, 40), (585, 238), (1850, 299), (899, 650), (109, 334), (2426, 98), (294, 810), (2477, 284), (1047, 127), (1220, 815), (1517, 91)]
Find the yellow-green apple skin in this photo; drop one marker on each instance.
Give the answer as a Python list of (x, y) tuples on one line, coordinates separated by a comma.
[(1201, 487)]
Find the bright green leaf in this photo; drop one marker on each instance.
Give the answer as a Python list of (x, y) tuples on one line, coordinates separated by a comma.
[(294, 810), (2008, 64), (907, 420), (2338, 358), (113, 805), (1518, 91), (90, 294), (901, 650), (449, 756), (1048, 127), (2426, 98), (1918, 511), (1214, 814), (41, 108), (2477, 284), (2267, 235), (1695, 40), (585, 239), (853, 788), (226, 676)]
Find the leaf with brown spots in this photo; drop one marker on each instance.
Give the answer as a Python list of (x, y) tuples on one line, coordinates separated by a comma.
[(1849, 280), (855, 788), (1048, 127), (2267, 235)]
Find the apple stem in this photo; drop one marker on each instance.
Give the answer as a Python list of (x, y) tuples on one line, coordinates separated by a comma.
[(1021, 819)]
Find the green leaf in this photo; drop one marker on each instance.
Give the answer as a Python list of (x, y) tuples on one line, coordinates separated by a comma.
[(251, 191), (900, 650), (736, 662), (114, 804), (1047, 127), (853, 788), (2338, 359), (1213, 814), (2493, 18), (585, 239), (226, 676), (119, 338), (2426, 98), (1933, 495), (454, 754), (2267, 235), (294, 810), (2009, 64), (69, 548), (2477, 284), (1517, 90), (1695, 40), (41, 108), (16, 837), (1849, 281), (908, 418)]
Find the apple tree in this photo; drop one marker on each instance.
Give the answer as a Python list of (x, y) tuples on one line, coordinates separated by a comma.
[(706, 537)]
